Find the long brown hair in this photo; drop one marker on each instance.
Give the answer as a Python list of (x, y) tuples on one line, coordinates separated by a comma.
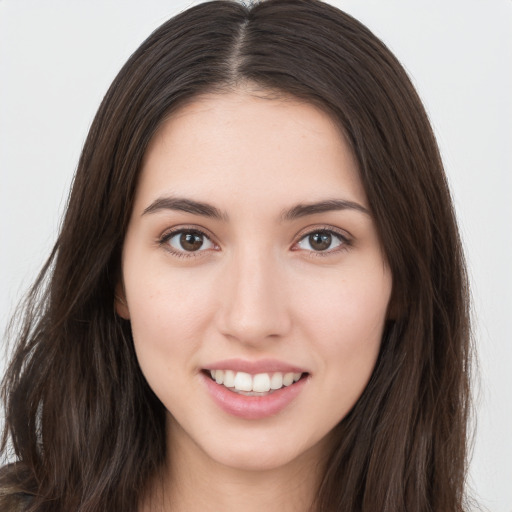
[(85, 429)]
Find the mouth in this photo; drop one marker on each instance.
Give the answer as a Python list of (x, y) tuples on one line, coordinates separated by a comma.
[(254, 390), (260, 384)]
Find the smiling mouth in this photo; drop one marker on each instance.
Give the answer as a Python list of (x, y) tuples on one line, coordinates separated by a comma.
[(260, 384)]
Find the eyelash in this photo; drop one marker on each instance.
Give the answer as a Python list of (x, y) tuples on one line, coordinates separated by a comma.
[(344, 245), (344, 241), (168, 235)]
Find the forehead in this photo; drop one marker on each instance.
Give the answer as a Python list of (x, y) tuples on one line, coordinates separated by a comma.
[(255, 146)]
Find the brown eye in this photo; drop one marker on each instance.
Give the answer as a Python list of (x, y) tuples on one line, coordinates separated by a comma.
[(189, 241), (321, 241)]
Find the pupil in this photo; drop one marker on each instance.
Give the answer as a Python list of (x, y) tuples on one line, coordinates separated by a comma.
[(191, 241), (320, 241)]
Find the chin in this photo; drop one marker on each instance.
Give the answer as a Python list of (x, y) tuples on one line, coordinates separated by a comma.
[(265, 453)]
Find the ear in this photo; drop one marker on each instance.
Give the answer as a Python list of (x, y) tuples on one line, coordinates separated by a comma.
[(120, 304)]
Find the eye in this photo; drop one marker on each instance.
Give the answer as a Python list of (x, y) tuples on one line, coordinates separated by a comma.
[(322, 240), (187, 240)]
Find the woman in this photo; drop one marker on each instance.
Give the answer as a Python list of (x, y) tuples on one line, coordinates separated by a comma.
[(258, 294)]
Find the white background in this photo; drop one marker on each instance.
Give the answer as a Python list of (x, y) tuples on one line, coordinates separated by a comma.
[(57, 58)]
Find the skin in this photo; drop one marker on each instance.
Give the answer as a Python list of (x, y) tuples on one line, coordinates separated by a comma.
[(255, 289)]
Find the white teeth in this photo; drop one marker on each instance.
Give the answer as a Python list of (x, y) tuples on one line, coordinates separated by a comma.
[(229, 379), (219, 376), (276, 382), (259, 383), (243, 381), (288, 379)]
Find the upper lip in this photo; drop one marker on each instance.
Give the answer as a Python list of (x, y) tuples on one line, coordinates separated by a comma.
[(255, 367)]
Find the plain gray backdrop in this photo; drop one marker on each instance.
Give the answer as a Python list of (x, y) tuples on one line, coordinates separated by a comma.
[(57, 59)]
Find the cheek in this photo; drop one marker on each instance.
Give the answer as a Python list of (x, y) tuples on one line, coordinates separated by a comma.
[(168, 311), (345, 318)]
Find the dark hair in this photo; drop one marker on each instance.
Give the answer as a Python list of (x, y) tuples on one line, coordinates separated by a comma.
[(86, 430)]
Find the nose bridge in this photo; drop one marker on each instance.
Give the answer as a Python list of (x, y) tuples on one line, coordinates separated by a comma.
[(253, 308)]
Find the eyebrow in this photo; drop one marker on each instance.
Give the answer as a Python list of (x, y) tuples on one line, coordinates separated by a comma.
[(208, 210), (185, 205), (304, 209)]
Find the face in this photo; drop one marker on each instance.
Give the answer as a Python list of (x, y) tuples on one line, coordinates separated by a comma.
[(253, 278)]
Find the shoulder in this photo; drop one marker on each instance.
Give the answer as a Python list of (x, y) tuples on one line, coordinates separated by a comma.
[(15, 502), (12, 497)]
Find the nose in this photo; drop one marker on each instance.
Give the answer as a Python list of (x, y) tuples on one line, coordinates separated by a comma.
[(254, 303)]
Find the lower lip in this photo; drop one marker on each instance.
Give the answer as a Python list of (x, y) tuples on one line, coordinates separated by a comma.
[(253, 407)]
